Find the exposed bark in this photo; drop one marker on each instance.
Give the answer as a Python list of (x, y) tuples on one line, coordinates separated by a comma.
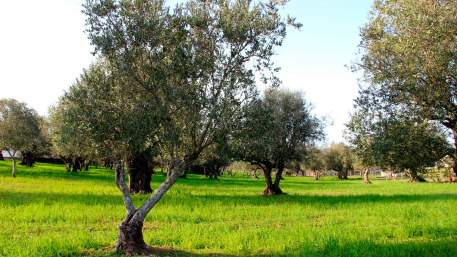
[(13, 158), (67, 167), (13, 173), (128, 203), (130, 237), (1, 156), (139, 174), (278, 178), (366, 178), (270, 187)]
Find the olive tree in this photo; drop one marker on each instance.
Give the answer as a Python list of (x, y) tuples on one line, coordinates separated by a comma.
[(399, 143), (19, 129), (338, 157), (314, 161), (275, 130), (192, 67), (69, 139), (408, 57)]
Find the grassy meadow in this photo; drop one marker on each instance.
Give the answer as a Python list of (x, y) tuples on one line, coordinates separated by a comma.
[(48, 212)]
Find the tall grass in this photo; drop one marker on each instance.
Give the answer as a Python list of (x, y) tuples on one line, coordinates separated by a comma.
[(48, 212)]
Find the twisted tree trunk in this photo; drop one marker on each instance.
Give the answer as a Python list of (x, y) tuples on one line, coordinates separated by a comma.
[(272, 188), (130, 231)]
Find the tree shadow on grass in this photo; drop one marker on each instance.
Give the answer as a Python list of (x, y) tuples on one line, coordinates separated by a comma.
[(333, 247), (12, 198), (324, 199)]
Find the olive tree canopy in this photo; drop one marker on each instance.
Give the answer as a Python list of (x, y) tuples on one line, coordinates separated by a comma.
[(274, 130), (19, 129), (409, 58)]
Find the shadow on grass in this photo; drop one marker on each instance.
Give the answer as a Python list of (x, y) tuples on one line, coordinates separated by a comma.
[(333, 247), (441, 247), (11, 198), (326, 199)]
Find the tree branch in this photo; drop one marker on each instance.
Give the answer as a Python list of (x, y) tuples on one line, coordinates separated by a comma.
[(155, 198), (128, 203)]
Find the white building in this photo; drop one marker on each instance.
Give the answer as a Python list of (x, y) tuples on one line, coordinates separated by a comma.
[(6, 155)]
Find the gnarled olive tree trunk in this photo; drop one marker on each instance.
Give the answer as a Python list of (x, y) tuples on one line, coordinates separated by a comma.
[(130, 233), (272, 188)]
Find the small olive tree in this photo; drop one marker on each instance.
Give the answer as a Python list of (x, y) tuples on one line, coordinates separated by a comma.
[(399, 144), (19, 129), (275, 130), (338, 157)]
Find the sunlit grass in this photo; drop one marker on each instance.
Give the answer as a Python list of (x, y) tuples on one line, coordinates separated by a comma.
[(48, 212)]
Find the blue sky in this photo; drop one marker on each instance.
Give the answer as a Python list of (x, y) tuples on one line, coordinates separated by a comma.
[(43, 49), (314, 59)]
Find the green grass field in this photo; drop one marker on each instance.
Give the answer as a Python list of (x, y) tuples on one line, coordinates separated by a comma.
[(47, 212)]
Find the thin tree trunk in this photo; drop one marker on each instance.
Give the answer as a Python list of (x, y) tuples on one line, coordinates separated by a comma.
[(14, 167), (317, 175), (366, 178), (67, 167)]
